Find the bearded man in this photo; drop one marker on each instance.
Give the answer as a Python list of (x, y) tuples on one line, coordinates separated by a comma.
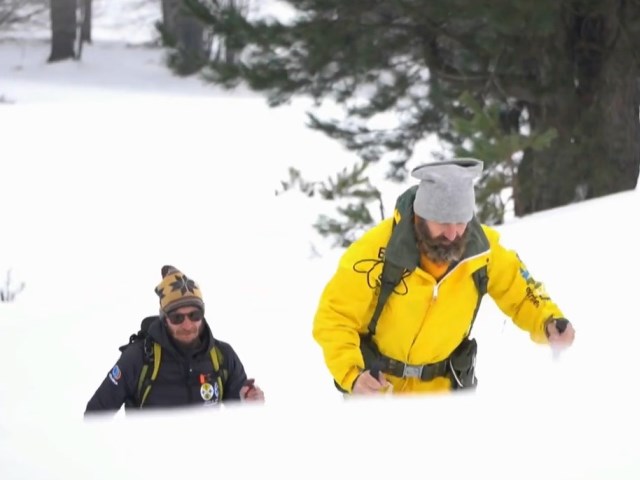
[(397, 313)]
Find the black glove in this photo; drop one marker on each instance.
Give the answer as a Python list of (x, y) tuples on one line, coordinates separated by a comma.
[(560, 324)]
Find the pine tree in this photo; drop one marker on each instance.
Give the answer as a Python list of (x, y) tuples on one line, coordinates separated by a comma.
[(562, 73)]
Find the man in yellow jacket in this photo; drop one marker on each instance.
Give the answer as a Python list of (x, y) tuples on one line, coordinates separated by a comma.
[(408, 330)]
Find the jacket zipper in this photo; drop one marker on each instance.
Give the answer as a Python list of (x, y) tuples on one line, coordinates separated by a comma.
[(436, 288)]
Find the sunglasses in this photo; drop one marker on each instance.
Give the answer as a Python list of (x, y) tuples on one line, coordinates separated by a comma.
[(177, 318)]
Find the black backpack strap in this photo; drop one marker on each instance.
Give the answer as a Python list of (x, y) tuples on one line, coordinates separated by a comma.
[(481, 280), (151, 358), (401, 255), (480, 276), (391, 276)]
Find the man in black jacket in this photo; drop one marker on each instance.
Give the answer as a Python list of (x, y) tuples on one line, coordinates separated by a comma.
[(179, 363)]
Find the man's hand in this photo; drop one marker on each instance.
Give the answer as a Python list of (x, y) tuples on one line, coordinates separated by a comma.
[(560, 333), (251, 392), (367, 384)]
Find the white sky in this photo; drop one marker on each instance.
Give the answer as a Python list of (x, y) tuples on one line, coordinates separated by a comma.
[(111, 167)]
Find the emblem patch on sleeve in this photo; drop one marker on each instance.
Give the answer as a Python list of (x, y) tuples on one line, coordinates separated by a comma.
[(115, 374), (535, 290)]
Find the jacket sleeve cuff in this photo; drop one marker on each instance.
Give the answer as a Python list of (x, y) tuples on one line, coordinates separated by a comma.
[(540, 334), (543, 335), (350, 378)]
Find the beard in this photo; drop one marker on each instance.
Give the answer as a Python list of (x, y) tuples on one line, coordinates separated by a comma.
[(439, 249), (189, 337)]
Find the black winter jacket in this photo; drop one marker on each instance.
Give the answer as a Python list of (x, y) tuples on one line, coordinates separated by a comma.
[(179, 377)]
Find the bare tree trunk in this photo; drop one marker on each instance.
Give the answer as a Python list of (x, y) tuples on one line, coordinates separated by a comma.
[(169, 13), (63, 29), (86, 24), (190, 31), (184, 32), (615, 148), (597, 151)]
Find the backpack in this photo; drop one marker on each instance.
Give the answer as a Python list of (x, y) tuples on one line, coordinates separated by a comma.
[(153, 356)]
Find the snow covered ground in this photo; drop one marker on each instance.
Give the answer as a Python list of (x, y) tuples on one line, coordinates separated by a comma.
[(112, 167)]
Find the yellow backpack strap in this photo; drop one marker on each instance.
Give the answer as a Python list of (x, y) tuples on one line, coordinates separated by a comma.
[(157, 354), (216, 359), (143, 375)]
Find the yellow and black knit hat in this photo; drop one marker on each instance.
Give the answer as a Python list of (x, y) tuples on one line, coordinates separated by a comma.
[(177, 290)]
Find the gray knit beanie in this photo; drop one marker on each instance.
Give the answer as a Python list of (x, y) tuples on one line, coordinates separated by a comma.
[(446, 192)]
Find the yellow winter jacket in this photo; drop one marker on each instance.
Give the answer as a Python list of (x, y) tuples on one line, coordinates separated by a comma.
[(427, 322)]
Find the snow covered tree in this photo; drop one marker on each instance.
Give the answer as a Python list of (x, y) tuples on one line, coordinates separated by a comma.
[(565, 72)]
